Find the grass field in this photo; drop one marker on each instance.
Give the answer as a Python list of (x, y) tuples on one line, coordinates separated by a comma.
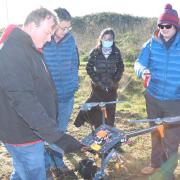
[(136, 154)]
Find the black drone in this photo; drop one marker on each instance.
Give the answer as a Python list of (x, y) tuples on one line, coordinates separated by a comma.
[(105, 140)]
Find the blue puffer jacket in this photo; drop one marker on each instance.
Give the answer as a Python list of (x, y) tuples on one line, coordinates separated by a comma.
[(63, 61), (164, 65)]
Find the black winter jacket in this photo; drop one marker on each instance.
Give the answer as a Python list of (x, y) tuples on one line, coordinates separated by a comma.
[(28, 100), (105, 71)]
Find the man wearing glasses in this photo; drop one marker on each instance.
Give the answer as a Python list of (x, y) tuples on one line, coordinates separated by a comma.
[(62, 59), (159, 66)]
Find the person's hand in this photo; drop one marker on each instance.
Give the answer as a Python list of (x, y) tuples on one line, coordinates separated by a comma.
[(113, 85), (110, 83), (103, 86), (69, 144), (146, 76)]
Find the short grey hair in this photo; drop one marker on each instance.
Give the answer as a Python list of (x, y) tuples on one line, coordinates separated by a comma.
[(38, 15)]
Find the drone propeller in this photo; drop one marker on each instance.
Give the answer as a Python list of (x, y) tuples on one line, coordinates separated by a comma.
[(166, 120), (88, 106)]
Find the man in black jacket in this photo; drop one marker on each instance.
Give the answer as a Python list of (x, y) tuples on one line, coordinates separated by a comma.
[(28, 101)]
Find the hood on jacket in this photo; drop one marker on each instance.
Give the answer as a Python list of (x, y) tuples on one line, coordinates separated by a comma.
[(7, 32)]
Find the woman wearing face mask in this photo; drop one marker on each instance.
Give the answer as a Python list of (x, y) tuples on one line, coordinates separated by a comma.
[(105, 68)]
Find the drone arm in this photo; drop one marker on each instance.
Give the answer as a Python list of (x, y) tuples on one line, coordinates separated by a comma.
[(107, 159), (159, 128), (140, 132)]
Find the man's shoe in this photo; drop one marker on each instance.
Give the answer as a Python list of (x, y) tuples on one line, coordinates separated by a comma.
[(149, 170)]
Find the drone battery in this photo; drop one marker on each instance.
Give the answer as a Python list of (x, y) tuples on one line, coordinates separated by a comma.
[(95, 147)]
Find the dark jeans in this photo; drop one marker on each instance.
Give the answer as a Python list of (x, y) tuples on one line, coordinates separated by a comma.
[(164, 149)]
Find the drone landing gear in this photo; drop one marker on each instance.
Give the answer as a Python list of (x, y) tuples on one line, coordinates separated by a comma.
[(100, 174), (103, 143)]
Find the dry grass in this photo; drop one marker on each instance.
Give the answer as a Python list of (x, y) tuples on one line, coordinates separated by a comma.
[(135, 155)]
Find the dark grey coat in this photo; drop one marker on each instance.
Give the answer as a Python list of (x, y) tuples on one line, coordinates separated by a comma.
[(28, 101)]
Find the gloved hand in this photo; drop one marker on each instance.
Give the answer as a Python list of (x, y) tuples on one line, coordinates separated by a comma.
[(69, 144), (111, 84), (146, 76)]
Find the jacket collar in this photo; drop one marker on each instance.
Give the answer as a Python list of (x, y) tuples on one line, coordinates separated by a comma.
[(156, 37), (64, 39), (21, 37)]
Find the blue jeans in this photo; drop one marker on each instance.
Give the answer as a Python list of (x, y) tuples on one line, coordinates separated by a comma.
[(64, 113), (28, 161), (55, 159)]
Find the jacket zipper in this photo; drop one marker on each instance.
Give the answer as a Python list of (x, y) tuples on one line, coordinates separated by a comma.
[(165, 75)]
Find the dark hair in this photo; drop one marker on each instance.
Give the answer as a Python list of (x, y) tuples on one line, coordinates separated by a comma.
[(39, 15), (63, 14), (104, 32)]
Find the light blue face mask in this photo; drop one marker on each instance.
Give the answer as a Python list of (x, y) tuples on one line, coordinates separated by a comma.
[(107, 44)]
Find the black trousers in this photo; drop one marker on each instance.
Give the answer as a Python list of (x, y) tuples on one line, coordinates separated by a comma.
[(164, 151), (94, 116)]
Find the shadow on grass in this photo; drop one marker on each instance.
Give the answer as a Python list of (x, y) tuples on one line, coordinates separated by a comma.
[(130, 169)]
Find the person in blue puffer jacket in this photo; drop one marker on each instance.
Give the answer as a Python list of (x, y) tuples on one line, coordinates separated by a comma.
[(62, 59), (159, 66)]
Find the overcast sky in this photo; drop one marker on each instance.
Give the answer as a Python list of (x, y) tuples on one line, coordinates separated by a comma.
[(15, 11)]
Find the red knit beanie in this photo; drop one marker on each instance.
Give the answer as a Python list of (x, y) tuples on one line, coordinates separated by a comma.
[(169, 16)]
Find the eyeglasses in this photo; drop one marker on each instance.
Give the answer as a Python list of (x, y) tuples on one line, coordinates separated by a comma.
[(168, 26), (65, 29)]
